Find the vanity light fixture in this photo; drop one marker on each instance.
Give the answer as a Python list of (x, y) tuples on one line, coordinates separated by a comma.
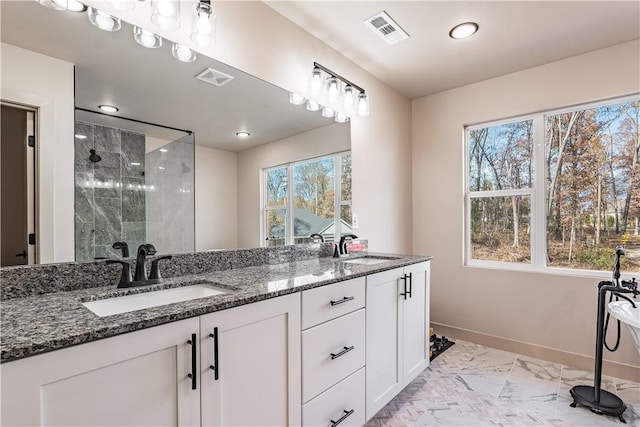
[(166, 14), (102, 20), (464, 30), (336, 92), (203, 24), (183, 53), (296, 99), (243, 134), (146, 38), (108, 108)]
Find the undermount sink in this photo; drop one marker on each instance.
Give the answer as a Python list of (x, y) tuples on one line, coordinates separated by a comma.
[(127, 303), (626, 313), (370, 260)]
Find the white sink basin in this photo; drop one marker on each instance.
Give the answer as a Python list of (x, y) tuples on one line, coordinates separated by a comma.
[(370, 260), (624, 311), (127, 303)]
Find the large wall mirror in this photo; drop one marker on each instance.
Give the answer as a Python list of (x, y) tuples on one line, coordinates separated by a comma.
[(168, 168)]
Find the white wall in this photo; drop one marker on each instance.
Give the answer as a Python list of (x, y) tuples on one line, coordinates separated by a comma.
[(47, 83), (216, 199), (325, 140), (545, 312), (254, 38)]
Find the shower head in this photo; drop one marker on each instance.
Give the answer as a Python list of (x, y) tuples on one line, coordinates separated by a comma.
[(94, 157)]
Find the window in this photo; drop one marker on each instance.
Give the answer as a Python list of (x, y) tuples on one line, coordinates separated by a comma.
[(318, 202), (555, 190)]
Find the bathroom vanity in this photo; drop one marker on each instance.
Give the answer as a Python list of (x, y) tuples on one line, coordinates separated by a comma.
[(296, 338)]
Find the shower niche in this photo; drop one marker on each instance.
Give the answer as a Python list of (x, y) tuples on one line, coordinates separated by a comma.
[(132, 186)]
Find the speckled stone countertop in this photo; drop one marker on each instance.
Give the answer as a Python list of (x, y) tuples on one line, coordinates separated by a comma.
[(36, 324)]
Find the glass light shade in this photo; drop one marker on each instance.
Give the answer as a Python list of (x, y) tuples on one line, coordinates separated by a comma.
[(75, 6), (363, 105), (296, 99), (313, 106), (183, 53), (341, 117), (122, 4), (349, 98), (328, 112), (203, 25), (104, 21), (166, 14), (333, 89), (316, 81), (146, 38), (54, 4)]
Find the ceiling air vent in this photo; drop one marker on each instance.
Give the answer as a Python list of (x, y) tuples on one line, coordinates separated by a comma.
[(387, 28), (214, 77)]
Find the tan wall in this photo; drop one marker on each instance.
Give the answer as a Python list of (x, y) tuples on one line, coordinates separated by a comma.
[(25, 82), (254, 38), (325, 140), (546, 310)]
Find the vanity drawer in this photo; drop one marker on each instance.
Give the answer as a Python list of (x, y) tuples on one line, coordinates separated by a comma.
[(332, 351), (344, 400), (331, 301)]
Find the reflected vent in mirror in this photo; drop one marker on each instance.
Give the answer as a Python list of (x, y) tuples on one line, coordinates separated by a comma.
[(214, 77)]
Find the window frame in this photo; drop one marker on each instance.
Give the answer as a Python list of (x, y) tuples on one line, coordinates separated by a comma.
[(538, 218), (288, 208)]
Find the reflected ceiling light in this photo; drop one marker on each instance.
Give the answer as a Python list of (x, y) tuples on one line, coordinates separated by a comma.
[(341, 117), (313, 106), (146, 38), (122, 4), (203, 24), (328, 111), (464, 30), (135, 163), (163, 150), (80, 136), (243, 134), (296, 99), (166, 14), (104, 21), (183, 53), (108, 108)]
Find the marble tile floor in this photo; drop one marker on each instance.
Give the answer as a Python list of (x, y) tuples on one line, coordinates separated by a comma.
[(472, 385)]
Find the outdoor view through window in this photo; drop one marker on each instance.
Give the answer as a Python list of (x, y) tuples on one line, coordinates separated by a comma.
[(566, 182), (309, 206)]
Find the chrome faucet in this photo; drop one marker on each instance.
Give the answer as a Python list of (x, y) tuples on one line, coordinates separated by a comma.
[(141, 270)]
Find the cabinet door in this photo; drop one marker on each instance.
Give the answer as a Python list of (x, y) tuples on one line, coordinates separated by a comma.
[(384, 339), (139, 378), (415, 321), (257, 364)]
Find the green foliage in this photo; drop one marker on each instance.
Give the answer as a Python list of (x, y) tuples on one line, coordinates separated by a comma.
[(596, 258)]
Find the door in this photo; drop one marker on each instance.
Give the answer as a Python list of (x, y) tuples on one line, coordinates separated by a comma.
[(17, 186), (135, 379), (250, 364), (415, 321), (384, 339)]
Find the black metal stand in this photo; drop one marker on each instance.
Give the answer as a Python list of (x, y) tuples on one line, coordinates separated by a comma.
[(593, 397)]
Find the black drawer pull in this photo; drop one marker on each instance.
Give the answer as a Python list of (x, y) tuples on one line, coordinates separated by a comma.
[(343, 300), (342, 418), (344, 350), (216, 363), (194, 354)]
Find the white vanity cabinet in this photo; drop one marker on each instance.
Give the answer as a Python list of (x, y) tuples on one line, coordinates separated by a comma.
[(333, 354), (139, 378), (397, 343), (250, 364)]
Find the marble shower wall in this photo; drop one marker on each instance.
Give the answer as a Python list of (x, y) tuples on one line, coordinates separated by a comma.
[(170, 207), (109, 194)]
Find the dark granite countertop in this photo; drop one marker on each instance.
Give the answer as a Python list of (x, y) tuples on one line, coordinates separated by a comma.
[(37, 324)]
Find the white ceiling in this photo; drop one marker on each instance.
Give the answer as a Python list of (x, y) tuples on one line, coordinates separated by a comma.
[(150, 85), (513, 35)]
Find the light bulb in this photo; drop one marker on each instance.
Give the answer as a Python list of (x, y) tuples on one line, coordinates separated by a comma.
[(363, 105), (123, 4), (341, 117), (333, 88), (316, 81), (75, 6), (103, 20), (203, 24), (146, 38), (328, 112), (166, 14), (182, 53), (313, 106), (349, 98), (165, 7), (296, 99)]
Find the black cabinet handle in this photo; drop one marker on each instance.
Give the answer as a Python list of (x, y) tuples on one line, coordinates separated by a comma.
[(408, 278), (404, 281), (216, 364), (22, 254), (344, 351), (344, 416), (194, 354), (410, 284), (343, 300)]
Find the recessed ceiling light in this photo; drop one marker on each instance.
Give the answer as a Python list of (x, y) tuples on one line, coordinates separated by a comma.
[(81, 136), (108, 108), (163, 150), (243, 134), (464, 30), (135, 164)]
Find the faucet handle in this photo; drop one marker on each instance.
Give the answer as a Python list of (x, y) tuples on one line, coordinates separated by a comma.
[(125, 277), (155, 267)]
